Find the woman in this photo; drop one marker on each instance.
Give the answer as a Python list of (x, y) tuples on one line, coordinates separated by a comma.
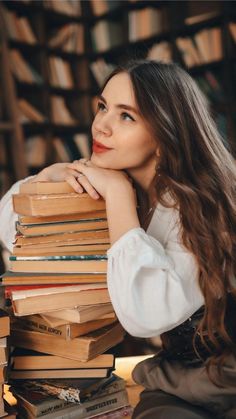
[(169, 186)]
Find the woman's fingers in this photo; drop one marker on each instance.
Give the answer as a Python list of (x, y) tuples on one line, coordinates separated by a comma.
[(82, 179)]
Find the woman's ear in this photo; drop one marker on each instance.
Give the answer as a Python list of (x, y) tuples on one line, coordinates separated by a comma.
[(158, 152)]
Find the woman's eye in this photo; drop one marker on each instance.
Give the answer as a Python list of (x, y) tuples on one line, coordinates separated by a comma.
[(100, 106), (127, 116)]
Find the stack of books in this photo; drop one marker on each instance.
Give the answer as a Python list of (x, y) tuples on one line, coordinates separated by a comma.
[(62, 317), (5, 410)]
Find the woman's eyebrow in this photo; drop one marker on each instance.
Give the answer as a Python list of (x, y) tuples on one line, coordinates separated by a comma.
[(120, 106)]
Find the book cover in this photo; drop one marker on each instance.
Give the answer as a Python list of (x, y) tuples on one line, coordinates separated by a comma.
[(29, 360), (55, 204), (40, 300), (61, 227), (45, 188), (76, 264), (82, 348), (39, 278), (80, 314), (65, 331)]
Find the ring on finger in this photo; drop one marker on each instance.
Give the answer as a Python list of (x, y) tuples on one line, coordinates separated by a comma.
[(80, 176)]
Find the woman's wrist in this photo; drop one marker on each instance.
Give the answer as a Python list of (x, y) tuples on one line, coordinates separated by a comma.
[(42, 176)]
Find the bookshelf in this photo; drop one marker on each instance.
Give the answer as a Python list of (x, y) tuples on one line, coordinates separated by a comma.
[(58, 54)]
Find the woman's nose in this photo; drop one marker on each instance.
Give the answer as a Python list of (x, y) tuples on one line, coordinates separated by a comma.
[(103, 125)]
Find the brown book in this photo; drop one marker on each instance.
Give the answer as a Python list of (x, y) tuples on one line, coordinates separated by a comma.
[(45, 188), (24, 359), (4, 323), (77, 238), (59, 373), (83, 348), (28, 278), (40, 300), (80, 314), (63, 227), (92, 249), (24, 219), (3, 356), (58, 264), (65, 331), (55, 204)]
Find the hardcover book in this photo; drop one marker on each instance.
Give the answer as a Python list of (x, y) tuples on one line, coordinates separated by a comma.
[(55, 204), (82, 348), (40, 300)]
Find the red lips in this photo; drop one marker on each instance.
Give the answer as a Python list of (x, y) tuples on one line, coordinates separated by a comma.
[(99, 147)]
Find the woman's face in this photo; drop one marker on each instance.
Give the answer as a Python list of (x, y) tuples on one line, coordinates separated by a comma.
[(121, 138)]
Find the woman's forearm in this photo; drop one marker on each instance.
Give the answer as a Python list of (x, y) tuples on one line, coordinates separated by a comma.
[(121, 211)]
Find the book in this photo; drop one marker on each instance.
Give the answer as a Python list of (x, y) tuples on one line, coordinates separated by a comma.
[(26, 220), (25, 359), (48, 395), (80, 314), (80, 264), (88, 409), (55, 204), (65, 331), (76, 250), (74, 238), (59, 373), (28, 278), (45, 188), (4, 323), (82, 348), (61, 227), (39, 300)]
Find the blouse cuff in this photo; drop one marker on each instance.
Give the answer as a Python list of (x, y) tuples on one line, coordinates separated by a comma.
[(133, 233)]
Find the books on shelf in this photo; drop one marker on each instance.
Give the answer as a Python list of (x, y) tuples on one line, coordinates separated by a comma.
[(29, 113), (106, 35), (69, 38), (60, 112), (104, 6), (203, 48), (68, 7), (60, 73), (232, 28), (18, 27), (69, 148), (22, 69), (161, 51), (82, 348), (146, 23), (101, 69)]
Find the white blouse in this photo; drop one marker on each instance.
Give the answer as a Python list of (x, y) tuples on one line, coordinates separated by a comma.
[(152, 278)]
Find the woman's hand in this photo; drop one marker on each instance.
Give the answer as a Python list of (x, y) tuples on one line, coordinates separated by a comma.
[(97, 181), (59, 172)]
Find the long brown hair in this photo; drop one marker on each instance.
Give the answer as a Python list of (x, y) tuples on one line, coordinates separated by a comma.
[(198, 171)]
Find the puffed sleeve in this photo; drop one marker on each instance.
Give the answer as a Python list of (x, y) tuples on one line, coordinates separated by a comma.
[(153, 279), (8, 217)]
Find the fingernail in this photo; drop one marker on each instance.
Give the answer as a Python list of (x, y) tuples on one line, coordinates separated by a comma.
[(95, 195)]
